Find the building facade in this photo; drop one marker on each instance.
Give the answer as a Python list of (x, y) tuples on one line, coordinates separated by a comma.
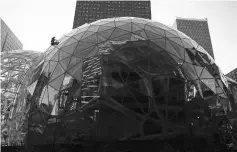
[(8, 40), (88, 11), (198, 30), (232, 74)]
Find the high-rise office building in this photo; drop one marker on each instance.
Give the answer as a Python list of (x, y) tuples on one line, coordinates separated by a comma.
[(88, 11), (8, 40), (198, 30)]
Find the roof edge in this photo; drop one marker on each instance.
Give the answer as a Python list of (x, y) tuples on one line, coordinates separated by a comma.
[(112, 0), (183, 18)]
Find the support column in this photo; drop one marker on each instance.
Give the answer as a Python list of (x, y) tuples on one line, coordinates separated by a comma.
[(166, 90)]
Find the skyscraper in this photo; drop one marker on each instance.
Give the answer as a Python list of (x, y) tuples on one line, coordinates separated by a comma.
[(198, 30), (8, 40), (88, 11)]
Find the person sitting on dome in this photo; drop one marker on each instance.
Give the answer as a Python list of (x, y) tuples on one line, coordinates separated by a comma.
[(54, 41)]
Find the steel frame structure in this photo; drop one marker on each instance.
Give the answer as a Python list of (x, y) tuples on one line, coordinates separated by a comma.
[(14, 65)]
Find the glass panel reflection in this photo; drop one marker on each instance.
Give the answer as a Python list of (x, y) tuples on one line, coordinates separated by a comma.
[(57, 71), (56, 83), (52, 96)]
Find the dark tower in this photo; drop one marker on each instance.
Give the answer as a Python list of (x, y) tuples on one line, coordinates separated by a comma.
[(88, 11), (198, 30)]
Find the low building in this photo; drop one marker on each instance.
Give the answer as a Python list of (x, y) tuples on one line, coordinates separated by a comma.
[(232, 74)]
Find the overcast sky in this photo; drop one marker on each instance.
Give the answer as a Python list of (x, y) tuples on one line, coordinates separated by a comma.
[(35, 22)]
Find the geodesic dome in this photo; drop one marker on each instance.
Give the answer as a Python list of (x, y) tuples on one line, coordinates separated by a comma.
[(130, 71), (14, 65)]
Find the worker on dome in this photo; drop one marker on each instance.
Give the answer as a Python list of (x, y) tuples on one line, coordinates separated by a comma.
[(54, 41)]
